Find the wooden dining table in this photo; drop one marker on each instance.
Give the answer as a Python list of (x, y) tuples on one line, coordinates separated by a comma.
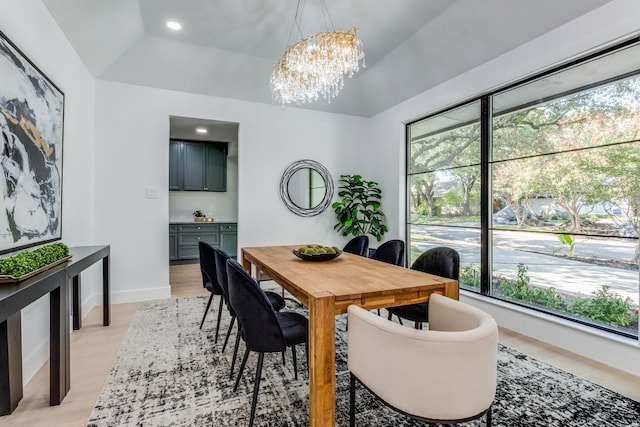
[(327, 288)]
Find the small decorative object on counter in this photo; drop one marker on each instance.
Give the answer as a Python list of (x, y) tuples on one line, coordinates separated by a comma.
[(201, 217)]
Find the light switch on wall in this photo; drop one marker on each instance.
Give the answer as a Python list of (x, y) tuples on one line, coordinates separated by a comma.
[(152, 193)]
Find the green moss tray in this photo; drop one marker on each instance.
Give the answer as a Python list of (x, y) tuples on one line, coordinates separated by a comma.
[(6, 279)]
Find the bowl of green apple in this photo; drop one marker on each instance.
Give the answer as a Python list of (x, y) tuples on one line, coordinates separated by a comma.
[(315, 252)]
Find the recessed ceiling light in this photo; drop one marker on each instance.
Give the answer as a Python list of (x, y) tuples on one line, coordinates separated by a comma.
[(201, 130), (174, 25)]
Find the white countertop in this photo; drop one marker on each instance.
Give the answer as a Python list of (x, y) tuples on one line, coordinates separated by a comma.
[(191, 221)]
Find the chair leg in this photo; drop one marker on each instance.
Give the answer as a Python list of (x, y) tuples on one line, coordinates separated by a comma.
[(284, 359), (256, 387), (233, 319), (489, 417), (235, 350), (352, 400), (389, 316), (295, 362), (206, 310), (219, 317), (244, 362), (294, 301)]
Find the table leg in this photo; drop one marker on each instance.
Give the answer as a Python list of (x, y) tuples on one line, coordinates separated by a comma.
[(10, 363), (59, 348), (322, 354), (245, 264), (106, 303), (452, 290), (77, 303)]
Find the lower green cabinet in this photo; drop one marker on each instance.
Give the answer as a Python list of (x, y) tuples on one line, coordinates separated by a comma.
[(184, 238), (173, 242), (229, 239), (190, 234)]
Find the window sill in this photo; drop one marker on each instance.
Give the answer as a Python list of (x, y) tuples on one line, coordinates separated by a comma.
[(607, 348)]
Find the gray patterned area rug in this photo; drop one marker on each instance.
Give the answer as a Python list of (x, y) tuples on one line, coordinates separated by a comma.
[(168, 372)]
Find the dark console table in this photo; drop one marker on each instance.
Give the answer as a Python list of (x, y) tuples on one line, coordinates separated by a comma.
[(83, 257), (15, 297)]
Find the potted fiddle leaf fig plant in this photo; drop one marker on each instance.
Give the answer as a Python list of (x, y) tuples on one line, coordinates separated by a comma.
[(358, 212)]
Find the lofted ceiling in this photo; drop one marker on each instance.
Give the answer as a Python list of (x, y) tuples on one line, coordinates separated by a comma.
[(228, 47)]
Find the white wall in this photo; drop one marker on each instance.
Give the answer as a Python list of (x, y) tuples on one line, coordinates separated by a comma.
[(132, 133), (616, 19), (30, 27)]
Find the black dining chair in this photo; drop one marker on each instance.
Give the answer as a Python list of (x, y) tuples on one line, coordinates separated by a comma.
[(263, 329), (210, 280), (391, 252), (276, 301), (441, 261), (359, 245)]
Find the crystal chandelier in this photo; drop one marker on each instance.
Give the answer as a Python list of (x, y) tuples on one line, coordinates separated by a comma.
[(315, 66)]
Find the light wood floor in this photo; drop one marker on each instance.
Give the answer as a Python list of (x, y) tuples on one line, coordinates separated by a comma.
[(94, 347)]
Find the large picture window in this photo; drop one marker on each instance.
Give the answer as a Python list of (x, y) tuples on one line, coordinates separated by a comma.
[(544, 206)]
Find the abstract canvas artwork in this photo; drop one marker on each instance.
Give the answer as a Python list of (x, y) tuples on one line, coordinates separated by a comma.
[(31, 125)]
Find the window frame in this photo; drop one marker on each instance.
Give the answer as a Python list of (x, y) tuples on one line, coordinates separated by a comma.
[(486, 119)]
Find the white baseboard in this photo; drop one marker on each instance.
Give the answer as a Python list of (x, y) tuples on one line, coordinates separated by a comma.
[(123, 297)]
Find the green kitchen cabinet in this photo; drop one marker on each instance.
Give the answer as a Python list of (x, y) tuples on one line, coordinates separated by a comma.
[(198, 166), (184, 238), (193, 166), (190, 234), (175, 166), (173, 242), (215, 176), (229, 239)]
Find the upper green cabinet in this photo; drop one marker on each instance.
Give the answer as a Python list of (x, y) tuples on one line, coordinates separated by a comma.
[(194, 166), (197, 166), (175, 166), (215, 176)]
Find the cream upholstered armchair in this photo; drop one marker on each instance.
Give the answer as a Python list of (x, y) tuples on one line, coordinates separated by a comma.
[(446, 374)]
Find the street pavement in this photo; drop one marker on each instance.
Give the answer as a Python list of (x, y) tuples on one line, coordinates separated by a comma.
[(535, 251)]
